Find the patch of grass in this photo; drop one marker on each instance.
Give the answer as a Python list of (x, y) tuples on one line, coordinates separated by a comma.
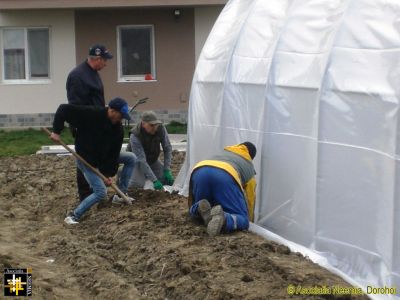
[(176, 127), (173, 127), (28, 141)]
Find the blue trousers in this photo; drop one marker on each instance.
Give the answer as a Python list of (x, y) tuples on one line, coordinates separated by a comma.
[(98, 187), (219, 187), (128, 159)]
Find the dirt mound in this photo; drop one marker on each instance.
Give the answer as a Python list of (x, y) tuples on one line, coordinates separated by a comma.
[(150, 250)]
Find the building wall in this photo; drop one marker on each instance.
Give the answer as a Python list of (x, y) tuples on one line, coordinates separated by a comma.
[(177, 47), (20, 101), (204, 19), (174, 53)]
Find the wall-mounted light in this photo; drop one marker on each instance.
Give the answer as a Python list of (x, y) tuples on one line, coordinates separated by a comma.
[(177, 14)]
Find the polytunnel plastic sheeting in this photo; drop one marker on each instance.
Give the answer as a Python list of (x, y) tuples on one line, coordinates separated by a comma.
[(315, 85)]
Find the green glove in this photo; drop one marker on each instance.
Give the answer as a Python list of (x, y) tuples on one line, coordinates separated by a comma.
[(168, 178), (158, 185)]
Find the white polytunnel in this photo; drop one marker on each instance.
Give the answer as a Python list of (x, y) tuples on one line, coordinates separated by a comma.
[(315, 85)]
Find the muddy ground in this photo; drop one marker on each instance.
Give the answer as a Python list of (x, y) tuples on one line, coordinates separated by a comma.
[(150, 250)]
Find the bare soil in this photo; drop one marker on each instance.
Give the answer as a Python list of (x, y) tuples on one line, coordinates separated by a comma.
[(150, 250)]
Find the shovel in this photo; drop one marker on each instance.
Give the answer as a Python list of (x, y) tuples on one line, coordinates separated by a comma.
[(139, 102), (97, 172)]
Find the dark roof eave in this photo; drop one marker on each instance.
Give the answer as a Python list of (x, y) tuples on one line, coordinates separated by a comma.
[(75, 4)]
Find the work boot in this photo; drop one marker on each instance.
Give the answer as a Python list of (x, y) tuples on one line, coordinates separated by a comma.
[(116, 199), (217, 221), (204, 209)]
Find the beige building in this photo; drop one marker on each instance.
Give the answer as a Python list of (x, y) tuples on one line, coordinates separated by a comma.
[(155, 46)]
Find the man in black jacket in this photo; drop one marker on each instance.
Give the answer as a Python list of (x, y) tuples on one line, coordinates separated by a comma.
[(98, 140), (84, 87)]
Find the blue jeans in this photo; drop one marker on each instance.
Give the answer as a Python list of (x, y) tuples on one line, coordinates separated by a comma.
[(98, 187), (128, 159), (219, 187)]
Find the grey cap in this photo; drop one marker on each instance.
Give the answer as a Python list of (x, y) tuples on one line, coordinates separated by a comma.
[(150, 117)]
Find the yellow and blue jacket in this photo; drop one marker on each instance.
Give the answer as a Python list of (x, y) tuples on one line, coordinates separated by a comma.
[(236, 161)]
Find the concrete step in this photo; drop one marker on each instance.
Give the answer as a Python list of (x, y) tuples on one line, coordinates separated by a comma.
[(60, 150)]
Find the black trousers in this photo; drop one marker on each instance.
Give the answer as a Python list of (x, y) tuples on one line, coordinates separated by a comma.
[(84, 188)]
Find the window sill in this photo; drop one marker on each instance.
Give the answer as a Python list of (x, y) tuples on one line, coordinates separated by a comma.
[(135, 80), (19, 82)]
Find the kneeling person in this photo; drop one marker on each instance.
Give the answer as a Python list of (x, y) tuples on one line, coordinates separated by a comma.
[(145, 141), (98, 140), (222, 190)]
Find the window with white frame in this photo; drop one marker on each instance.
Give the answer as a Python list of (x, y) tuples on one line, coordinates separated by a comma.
[(136, 52), (26, 54)]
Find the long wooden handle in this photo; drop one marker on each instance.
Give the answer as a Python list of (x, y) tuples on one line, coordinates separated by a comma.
[(82, 160)]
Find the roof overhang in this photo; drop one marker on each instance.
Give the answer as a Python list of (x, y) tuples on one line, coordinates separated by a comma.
[(54, 4)]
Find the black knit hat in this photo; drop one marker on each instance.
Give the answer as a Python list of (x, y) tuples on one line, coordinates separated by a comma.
[(251, 148)]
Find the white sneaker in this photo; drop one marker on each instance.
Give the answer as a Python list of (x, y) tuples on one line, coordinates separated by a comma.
[(71, 220), (119, 200)]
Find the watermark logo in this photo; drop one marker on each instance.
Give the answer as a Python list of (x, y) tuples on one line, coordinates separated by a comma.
[(17, 282), (339, 290)]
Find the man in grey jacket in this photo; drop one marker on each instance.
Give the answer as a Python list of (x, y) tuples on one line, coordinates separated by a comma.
[(145, 141)]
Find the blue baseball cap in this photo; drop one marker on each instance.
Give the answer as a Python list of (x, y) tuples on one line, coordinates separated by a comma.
[(100, 50), (121, 105)]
